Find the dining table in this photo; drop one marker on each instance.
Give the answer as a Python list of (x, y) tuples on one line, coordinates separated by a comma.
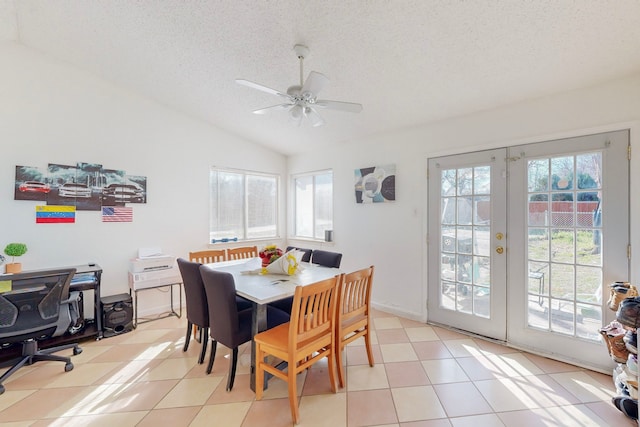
[(262, 288)]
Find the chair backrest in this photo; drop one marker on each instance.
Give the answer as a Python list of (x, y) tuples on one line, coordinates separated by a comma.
[(326, 258), (196, 298), (223, 311), (313, 312), (242, 253), (354, 295), (208, 256), (307, 253), (32, 304)]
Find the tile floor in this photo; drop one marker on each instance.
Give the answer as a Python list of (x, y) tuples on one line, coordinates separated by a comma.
[(425, 376)]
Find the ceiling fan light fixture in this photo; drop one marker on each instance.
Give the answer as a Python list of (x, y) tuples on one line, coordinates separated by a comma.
[(296, 112)]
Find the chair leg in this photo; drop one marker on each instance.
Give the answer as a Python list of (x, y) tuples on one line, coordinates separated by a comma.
[(214, 345), (232, 369), (188, 337), (293, 394), (204, 338), (339, 364), (259, 372), (332, 368), (367, 342)]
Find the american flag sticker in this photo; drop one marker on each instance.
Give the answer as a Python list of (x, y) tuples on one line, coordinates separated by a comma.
[(51, 214), (117, 214)]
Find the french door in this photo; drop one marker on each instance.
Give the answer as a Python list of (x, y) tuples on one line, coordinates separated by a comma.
[(467, 242), (524, 241)]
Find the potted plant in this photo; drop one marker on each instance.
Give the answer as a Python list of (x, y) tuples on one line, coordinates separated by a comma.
[(13, 250)]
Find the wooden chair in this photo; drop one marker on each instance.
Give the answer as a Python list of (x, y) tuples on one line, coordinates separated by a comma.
[(304, 340), (242, 253), (208, 256), (353, 315)]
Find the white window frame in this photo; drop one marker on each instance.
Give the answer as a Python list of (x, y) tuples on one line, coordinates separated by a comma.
[(314, 176), (245, 207)]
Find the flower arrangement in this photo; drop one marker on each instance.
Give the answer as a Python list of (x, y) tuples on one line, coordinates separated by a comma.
[(269, 254)]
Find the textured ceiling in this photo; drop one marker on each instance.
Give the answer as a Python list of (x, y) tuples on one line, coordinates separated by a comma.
[(409, 62)]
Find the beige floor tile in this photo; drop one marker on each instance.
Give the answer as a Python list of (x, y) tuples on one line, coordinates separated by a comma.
[(11, 397), (417, 403), (463, 347), (111, 398), (575, 415), (406, 374), (371, 407), (358, 355), (514, 364), (145, 336), (584, 387), (226, 414), (392, 336), (131, 371), (190, 392), (485, 420), (422, 333), (480, 368), (365, 377), (123, 419), (20, 424), (448, 334), (174, 417), (318, 381), (386, 323), (170, 369), (427, 350), (607, 411), (398, 353), (241, 391), (278, 388), (39, 404), (462, 399), (82, 375), (442, 422), (269, 413), (324, 410), (442, 371)]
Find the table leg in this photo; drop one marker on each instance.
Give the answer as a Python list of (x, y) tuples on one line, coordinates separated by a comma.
[(258, 324)]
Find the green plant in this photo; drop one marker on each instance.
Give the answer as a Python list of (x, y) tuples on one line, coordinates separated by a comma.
[(15, 249)]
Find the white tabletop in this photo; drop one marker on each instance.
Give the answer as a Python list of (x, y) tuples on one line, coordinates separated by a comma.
[(266, 288)]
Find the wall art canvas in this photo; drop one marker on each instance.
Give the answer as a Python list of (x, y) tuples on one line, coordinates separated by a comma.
[(375, 184), (31, 183)]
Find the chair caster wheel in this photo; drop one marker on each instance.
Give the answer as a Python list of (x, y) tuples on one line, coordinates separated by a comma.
[(68, 367), (77, 351)]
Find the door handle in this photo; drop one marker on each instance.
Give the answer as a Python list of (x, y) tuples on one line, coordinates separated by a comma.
[(499, 249)]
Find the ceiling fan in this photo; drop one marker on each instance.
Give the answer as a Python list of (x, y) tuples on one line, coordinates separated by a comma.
[(301, 100)]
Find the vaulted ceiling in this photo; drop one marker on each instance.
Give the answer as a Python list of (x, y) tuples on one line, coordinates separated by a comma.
[(408, 62)]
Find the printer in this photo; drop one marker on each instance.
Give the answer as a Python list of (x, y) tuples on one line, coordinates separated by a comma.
[(152, 268)]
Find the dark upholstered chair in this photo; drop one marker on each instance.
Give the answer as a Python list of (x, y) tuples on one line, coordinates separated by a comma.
[(326, 258), (35, 306), (307, 253), (197, 308), (230, 326)]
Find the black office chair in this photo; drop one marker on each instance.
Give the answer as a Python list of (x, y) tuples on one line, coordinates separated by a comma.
[(230, 326), (34, 306), (307, 253), (326, 258), (197, 308)]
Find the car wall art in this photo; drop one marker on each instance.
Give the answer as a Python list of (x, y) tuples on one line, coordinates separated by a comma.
[(85, 186)]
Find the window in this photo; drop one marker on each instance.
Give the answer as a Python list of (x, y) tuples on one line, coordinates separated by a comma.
[(313, 204), (243, 205)]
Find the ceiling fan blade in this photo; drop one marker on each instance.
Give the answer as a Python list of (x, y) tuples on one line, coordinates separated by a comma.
[(314, 83), (296, 114), (313, 116), (272, 108), (350, 107), (262, 88)]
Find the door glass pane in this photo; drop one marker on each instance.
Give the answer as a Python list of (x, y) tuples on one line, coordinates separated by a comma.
[(465, 222), (564, 237)]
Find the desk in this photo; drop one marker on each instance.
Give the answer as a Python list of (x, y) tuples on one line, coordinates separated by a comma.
[(261, 289)]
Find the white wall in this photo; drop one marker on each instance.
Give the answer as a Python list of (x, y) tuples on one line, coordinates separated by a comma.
[(51, 112), (393, 236)]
